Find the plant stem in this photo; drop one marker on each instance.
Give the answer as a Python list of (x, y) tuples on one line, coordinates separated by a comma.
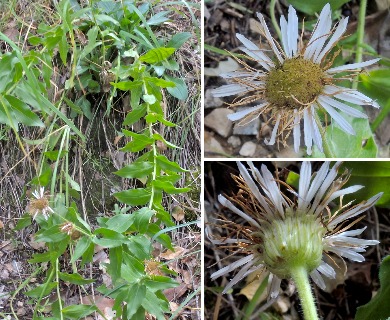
[(360, 36), (273, 18), (255, 299), (325, 143), (301, 279)]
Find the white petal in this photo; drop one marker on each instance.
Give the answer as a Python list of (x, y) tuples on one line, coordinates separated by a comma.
[(327, 270), (284, 30), (343, 124), (251, 184), (317, 181), (230, 90), (231, 267), (241, 74), (342, 26), (316, 130), (241, 114), (347, 253), (225, 202), (292, 30), (297, 131), (275, 287), (352, 66), (273, 190), (343, 107), (245, 271), (320, 33), (255, 52), (304, 183), (274, 132), (317, 278), (269, 37), (308, 131), (355, 211)]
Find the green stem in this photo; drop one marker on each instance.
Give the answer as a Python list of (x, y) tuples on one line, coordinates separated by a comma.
[(301, 280), (360, 36), (273, 18), (325, 143), (255, 299)]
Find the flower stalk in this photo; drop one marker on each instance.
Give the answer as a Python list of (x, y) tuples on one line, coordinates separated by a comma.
[(301, 280)]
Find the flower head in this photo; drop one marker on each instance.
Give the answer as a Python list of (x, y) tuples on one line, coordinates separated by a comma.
[(298, 84), (280, 234), (40, 204)]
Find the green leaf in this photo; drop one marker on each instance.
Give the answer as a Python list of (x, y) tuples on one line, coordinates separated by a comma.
[(149, 98), (21, 112), (344, 145), (52, 234), (178, 39), (311, 7), (139, 246), (379, 307), (157, 55), (74, 278), (134, 298), (44, 179), (140, 141), (154, 117), (55, 154), (155, 283), (126, 85), (133, 269), (168, 187), (23, 222), (155, 305), (142, 218), (180, 90), (110, 238), (120, 222), (42, 290), (81, 247), (114, 267), (134, 197), (133, 116), (374, 176), (78, 311), (136, 170), (43, 257), (159, 82), (158, 136), (158, 18), (168, 165)]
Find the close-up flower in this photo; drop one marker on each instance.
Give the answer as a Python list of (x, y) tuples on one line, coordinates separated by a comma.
[(39, 204), (290, 234), (299, 85)]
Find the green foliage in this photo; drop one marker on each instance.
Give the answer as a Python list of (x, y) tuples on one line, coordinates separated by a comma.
[(379, 307), (107, 50), (311, 7)]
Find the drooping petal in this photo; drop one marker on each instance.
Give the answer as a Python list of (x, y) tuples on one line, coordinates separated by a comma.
[(231, 90), (352, 66), (297, 131), (241, 114), (232, 266), (343, 124), (341, 106), (274, 132)]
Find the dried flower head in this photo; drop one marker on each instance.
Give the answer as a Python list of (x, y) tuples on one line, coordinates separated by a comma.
[(39, 204), (299, 84), (69, 229), (279, 234)]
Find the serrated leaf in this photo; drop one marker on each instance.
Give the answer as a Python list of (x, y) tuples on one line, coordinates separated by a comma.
[(180, 90), (157, 55), (74, 278), (136, 170), (379, 306), (134, 197)]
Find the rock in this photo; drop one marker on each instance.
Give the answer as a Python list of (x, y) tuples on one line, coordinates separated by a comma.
[(217, 121), (210, 101), (212, 145), (250, 128), (248, 149), (234, 141)]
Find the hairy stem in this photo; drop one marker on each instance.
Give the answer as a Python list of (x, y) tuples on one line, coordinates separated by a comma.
[(301, 280)]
